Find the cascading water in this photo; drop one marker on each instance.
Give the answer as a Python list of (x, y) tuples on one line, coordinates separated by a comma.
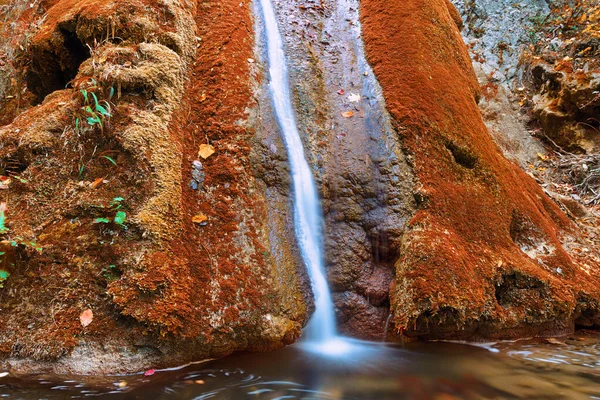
[(307, 209)]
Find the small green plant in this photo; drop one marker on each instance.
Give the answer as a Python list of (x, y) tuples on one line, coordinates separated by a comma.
[(110, 273), (94, 111), (120, 216), (3, 227), (113, 162), (13, 242), (20, 179)]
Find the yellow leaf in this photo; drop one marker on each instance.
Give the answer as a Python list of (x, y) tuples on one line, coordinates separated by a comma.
[(200, 218), (206, 150), (348, 114)]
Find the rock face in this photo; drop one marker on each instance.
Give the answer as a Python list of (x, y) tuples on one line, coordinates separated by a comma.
[(110, 208), (563, 71), (365, 179), (546, 53), (567, 104), (487, 254), (497, 33)]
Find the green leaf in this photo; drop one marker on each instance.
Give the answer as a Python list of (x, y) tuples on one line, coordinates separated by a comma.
[(106, 105), (111, 92), (120, 218), (22, 180), (3, 227), (102, 110), (4, 275), (94, 120), (95, 99), (102, 220), (81, 168), (116, 203), (77, 124), (85, 95), (111, 160)]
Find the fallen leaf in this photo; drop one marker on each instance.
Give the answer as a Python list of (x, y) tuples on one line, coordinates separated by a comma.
[(206, 150), (96, 183), (354, 98), (202, 97), (199, 382), (122, 384), (5, 182), (200, 218), (3, 374), (348, 114), (341, 92), (150, 372), (86, 317)]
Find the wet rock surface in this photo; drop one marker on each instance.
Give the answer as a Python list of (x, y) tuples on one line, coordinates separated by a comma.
[(365, 180)]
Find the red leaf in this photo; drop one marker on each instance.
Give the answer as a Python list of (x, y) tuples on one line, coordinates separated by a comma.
[(86, 317)]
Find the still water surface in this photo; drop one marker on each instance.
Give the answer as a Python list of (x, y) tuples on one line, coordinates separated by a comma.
[(568, 368)]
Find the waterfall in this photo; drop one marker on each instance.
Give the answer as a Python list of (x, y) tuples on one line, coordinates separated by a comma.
[(307, 208)]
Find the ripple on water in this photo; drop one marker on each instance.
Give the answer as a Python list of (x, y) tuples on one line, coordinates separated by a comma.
[(529, 369)]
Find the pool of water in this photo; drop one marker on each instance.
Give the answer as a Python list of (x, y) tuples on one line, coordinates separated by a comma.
[(566, 368)]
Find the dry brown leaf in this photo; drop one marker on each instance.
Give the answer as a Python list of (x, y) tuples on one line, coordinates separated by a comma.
[(86, 317), (348, 114), (200, 218), (206, 150), (202, 97)]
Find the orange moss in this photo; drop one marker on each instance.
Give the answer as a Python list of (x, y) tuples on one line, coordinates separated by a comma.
[(462, 244)]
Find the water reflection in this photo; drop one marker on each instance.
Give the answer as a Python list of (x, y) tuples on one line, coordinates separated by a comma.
[(529, 369)]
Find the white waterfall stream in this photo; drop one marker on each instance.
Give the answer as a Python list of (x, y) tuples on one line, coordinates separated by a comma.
[(307, 208)]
